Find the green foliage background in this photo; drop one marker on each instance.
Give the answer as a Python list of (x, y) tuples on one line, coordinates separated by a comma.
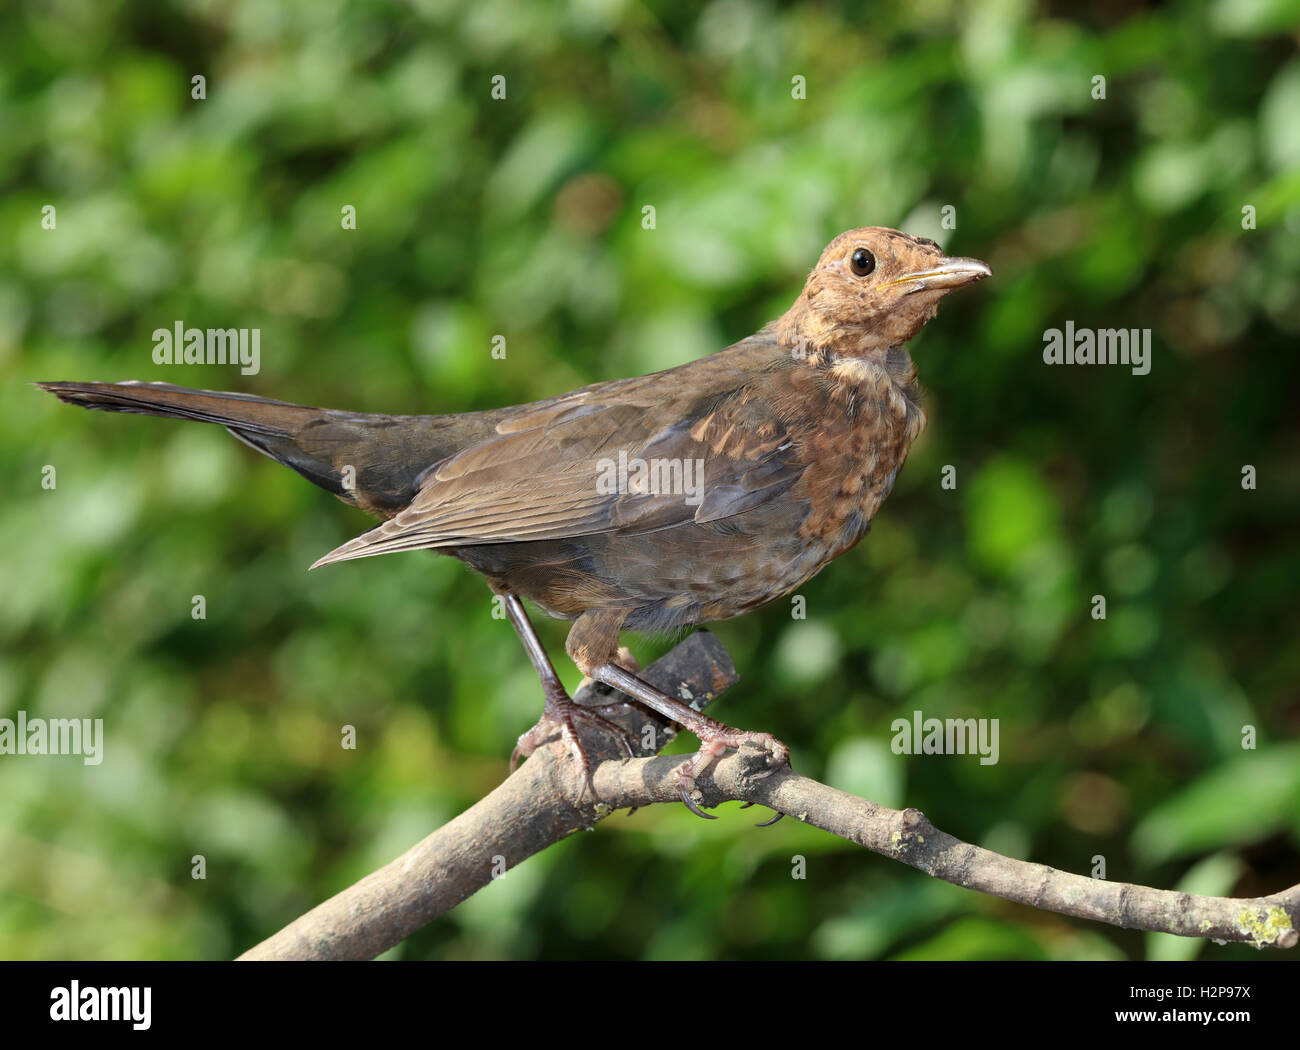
[(522, 217)]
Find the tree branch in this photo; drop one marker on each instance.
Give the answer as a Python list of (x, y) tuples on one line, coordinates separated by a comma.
[(534, 808)]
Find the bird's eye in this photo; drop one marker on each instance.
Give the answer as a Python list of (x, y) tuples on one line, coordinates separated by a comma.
[(862, 262)]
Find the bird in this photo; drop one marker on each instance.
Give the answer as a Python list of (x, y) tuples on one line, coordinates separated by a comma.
[(652, 504)]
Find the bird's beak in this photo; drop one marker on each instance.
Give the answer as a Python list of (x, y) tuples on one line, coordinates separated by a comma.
[(948, 273)]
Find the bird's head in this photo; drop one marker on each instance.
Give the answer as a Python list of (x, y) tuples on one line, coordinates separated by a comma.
[(873, 288)]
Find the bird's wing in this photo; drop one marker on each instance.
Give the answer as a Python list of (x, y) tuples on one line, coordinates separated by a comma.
[(552, 471)]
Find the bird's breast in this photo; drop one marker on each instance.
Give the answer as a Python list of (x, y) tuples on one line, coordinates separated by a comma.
[(872, 417)]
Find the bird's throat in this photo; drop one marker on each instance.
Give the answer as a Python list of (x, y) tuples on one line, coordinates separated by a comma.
[(883, 387)]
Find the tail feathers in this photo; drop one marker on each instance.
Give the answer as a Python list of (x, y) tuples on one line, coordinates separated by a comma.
[(244, 412), (273, 428), (370, 461)]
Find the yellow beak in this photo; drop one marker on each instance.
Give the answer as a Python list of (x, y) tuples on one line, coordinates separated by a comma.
[(949, 273)]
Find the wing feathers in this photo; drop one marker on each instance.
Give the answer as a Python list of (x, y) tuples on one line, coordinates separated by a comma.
[(631, 456)]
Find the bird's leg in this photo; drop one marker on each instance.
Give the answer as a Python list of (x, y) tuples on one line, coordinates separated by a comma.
[(593, 632), (560, 712), (625, 659)]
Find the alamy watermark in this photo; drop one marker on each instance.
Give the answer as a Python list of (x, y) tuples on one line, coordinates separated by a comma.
[(950, 736), (179, 345), (53, 736), (1098, 346), (72, 1002), (655, 476)]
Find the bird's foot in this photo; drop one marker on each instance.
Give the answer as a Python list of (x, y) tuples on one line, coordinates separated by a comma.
[(624, 659), (715, 743), (561, 715)]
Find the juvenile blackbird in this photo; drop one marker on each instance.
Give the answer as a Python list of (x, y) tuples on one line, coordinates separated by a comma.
[(653, 503)]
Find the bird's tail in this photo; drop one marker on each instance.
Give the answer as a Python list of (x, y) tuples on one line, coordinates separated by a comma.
[(371, 461), (241, 411)]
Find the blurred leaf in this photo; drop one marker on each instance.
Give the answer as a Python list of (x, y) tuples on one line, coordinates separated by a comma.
[(1241, 801), (973, 939), (865, 766)]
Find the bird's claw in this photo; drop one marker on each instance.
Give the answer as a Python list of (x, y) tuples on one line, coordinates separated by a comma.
[(715, 744), (529, 742), (777, 755), (766, 823), (560, 715), (685, 791)]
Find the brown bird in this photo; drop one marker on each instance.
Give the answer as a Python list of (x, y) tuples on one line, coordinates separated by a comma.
[(649, 504)]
